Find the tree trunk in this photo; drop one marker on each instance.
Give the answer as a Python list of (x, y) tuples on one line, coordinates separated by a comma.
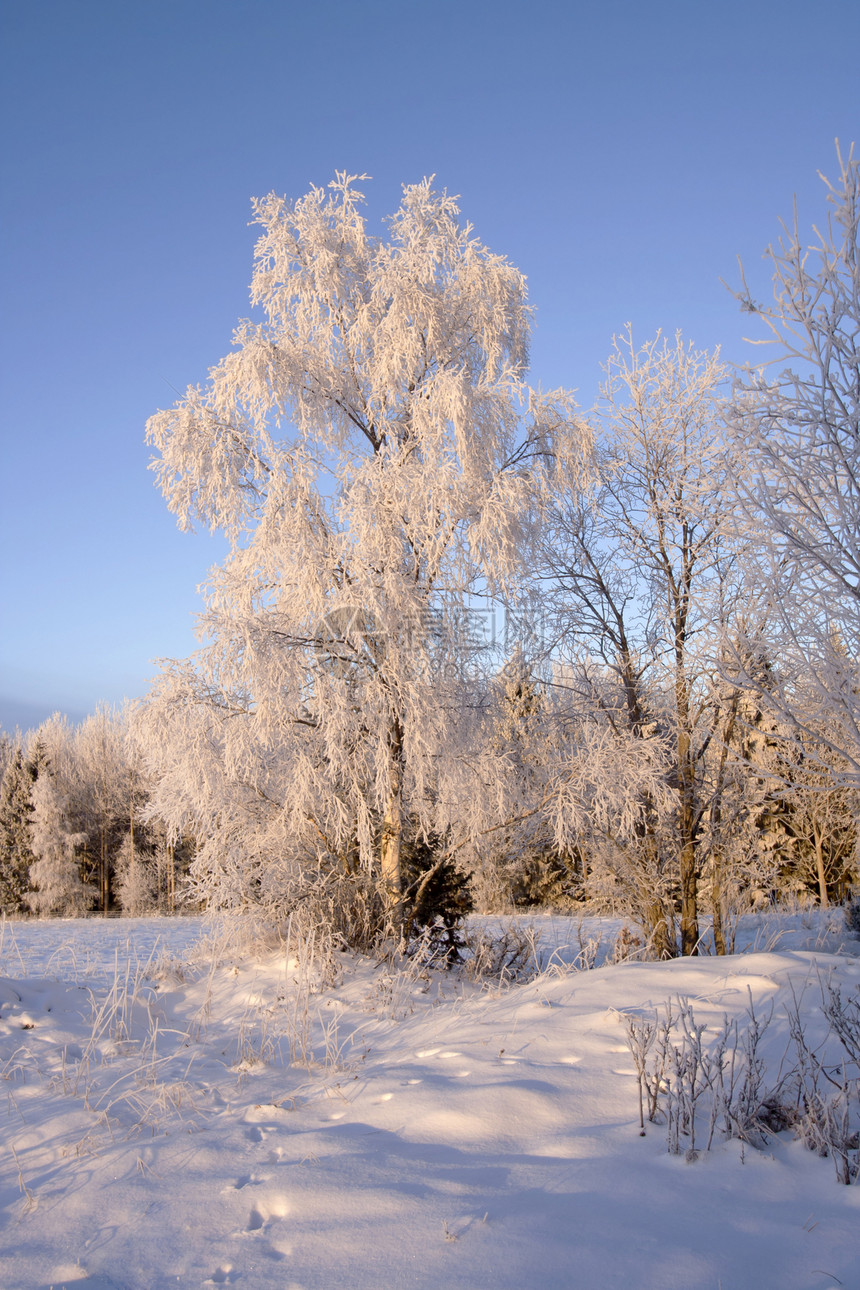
[(689, 901), (717, 903), (716, 825), (104, 886), (819, 866), (392, 833), (687, 843), (171, 879)]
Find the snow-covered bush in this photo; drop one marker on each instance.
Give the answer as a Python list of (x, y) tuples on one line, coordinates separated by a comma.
[(852, 915), (704, 1086)]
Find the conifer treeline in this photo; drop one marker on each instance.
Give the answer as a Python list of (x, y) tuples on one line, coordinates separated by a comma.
[(73, 837)]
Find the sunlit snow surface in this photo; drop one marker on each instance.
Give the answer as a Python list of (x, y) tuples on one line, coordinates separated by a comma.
[(170, 1123)]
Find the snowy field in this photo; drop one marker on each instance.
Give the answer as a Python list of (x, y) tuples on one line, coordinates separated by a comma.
[(177, 1115)]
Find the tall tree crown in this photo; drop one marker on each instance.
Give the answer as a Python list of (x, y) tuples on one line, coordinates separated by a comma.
[(369, 448)]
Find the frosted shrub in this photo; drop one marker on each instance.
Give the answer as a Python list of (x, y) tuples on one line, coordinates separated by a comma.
[(852, 916), (685, 1077), (826, 1092), (505, 956)]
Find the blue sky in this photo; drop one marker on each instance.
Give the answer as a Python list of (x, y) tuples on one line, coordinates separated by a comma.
[(621, 154)]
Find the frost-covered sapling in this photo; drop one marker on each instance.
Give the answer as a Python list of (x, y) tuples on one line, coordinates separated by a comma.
[(640, 1034)]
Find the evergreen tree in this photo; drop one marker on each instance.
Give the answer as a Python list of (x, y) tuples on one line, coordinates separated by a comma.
[(56, 873), (521, 863), (7, 752), (16, 853), (136, 878)]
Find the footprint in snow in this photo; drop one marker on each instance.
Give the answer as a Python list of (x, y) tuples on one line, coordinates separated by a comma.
[(221, 1276), (247, 1180), (260, 1215)]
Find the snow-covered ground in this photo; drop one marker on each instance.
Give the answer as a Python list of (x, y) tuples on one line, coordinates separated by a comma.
[(167, 1122)]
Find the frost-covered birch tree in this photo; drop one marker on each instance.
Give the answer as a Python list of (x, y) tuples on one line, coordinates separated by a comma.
[(633, 576), (366, 449), (796, 429)]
